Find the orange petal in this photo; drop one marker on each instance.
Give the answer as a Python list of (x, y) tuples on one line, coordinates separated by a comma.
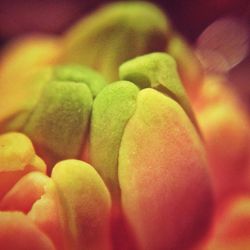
[(225, 127), (19, 61), (25, 192), (49, 216), (231, 229), (18, 232), (166, 193)]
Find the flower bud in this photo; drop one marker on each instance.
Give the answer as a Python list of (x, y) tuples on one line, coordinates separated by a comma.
[(146, 147)]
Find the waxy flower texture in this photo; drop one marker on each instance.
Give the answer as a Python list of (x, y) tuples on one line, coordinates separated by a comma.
[(113, 136)]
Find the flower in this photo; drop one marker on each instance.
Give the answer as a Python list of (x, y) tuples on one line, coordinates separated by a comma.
[(127, 137)]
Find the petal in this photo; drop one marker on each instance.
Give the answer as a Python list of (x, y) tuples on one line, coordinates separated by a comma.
[(158, 71), (17, 157), (115, 34), (16, 152), (87, 204), (231, 227), (225, 126), (17, 70), (18, 232), (111, 111), (49, 215), (166, 193), (189, 67), (25, 192), (60, 120), (79, 73)]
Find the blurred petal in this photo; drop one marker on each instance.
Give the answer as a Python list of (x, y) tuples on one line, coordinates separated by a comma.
[(19, 97), (223, 44), (18, 232), (19, 62), (231, 228), (39, 51), (225, 127), (115, 34), (189, 67)]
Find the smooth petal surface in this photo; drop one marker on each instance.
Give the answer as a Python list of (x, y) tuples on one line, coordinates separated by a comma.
[(111, 111), (86, 202), (165, 187), (18, 232)]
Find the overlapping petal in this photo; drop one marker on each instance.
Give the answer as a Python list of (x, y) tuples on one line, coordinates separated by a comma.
[(70, 210)]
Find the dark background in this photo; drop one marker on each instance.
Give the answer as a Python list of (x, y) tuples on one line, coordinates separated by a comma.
[(189, 17)]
